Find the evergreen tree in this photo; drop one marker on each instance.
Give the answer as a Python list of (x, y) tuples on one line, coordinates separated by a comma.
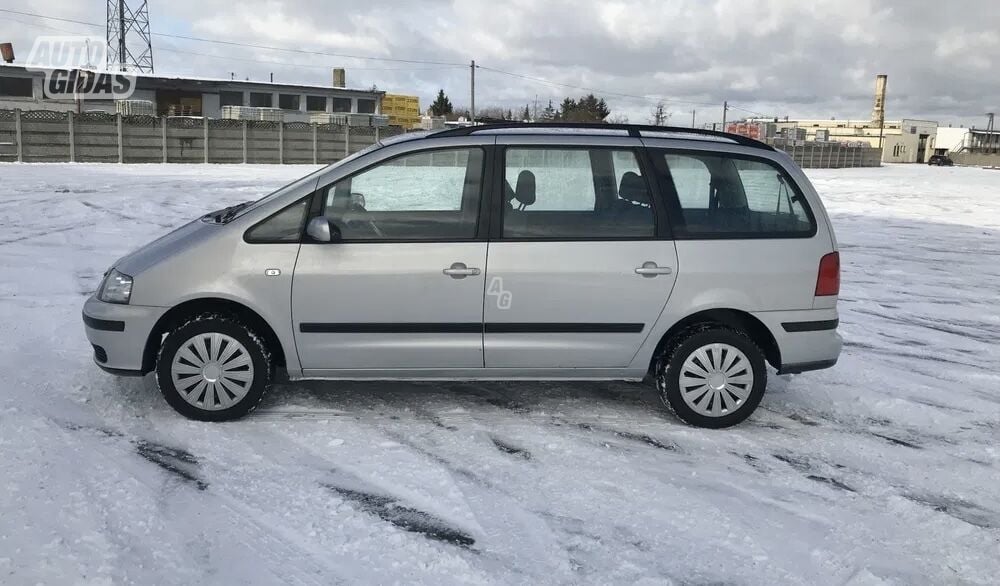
[(588, 109), (548, 114), (567, 110), (442, 105), (526, 116)]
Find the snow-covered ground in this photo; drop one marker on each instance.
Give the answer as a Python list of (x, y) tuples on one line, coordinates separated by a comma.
[(885, 469)]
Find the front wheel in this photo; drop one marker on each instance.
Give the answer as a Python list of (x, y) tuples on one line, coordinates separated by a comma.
[(712, 377), (213, 368)]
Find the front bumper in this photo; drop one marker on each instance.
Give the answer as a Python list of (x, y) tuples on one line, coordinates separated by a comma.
[(119, 333), (807, 339)]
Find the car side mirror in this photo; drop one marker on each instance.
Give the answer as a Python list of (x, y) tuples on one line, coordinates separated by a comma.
[(321, 229)]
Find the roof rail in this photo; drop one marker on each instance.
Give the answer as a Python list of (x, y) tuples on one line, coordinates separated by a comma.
[(634, 130)]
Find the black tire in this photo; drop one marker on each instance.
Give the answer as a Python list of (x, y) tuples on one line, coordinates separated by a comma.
[(670, 363), (263, 372)]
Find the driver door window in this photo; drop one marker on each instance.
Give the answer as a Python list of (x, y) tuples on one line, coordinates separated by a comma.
[(430, 195)]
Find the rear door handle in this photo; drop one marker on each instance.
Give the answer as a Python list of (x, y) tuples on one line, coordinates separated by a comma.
[(650, 269), (458, 270)]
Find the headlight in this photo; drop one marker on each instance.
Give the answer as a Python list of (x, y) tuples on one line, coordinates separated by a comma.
[(116, 288)]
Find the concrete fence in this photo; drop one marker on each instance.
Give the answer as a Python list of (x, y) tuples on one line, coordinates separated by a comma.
[(976, 159), (44, 136), (831, 155), (98, 137)]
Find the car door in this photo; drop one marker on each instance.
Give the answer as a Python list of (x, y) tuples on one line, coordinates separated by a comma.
[(579, 267), (402, 285)]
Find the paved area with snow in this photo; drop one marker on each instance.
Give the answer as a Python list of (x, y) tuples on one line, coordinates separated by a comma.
[(885, 469)]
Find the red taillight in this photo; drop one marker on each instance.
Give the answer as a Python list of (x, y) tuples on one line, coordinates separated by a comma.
[(828, 282)]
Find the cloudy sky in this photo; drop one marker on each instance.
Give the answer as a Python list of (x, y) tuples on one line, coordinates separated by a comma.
[(815, 58)]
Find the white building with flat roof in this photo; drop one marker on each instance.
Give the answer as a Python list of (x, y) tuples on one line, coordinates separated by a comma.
[(22, 88), (903, 141), (960, 140)]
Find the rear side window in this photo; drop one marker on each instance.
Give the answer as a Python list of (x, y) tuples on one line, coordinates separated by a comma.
[(580, 194), (724, 196)]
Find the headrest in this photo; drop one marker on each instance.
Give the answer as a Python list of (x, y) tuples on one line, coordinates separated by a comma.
[(633, 189), (524, 192)]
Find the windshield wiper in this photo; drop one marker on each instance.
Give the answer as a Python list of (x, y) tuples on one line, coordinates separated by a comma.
[(224, 215)]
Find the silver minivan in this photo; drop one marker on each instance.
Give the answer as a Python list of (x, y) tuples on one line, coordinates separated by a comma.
[(498, 252)]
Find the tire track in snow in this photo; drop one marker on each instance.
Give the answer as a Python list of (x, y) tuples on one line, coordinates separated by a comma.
[(405, 517), (509, 535), (427, 529), (285, 560)]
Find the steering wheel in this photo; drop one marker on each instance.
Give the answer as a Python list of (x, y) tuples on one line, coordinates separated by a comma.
[(356, 207)]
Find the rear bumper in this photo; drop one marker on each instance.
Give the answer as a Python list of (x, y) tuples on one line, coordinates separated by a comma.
[(118, 334), (807, 340)]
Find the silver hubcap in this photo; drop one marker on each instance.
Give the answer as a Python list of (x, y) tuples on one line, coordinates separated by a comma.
[(212, 371), (716, 380)]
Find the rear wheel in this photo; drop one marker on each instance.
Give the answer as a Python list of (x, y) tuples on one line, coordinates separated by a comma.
[(712, 376), (213, 368)]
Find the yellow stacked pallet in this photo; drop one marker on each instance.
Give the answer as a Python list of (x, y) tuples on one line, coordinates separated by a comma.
[(402, 110)]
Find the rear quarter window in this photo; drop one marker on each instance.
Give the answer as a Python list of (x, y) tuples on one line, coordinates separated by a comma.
[(731, 196)]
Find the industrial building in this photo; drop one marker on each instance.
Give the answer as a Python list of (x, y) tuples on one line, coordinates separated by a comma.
[(902, 141), (22, 88), (967, 140)]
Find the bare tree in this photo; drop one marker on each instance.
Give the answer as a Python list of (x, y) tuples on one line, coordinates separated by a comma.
[(493, 113), (659, 115)]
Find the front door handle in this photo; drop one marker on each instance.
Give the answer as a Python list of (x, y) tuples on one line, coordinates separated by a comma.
[(458, 270), (650, 269)]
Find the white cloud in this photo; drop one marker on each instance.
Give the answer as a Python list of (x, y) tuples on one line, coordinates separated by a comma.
[(815, 58)]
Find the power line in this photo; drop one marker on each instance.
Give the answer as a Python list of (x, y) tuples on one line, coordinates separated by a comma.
[(42, 26), (305, 65), (650, 99), (742, 109), (248, 60), (249, 45), (442, 64)]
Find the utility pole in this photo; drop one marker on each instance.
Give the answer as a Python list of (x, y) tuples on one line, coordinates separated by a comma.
[(692, 118), (989, 131), (534, 111), (472, 111), (725, 109)]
